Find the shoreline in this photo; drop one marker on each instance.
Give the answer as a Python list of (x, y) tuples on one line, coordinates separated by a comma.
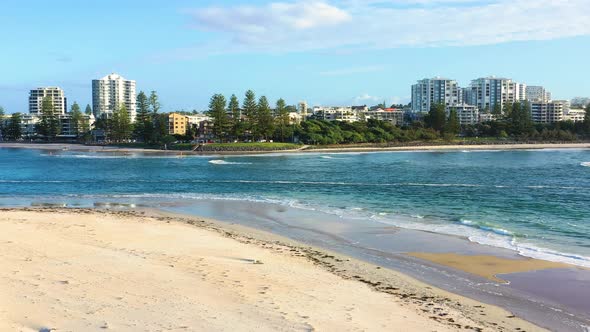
[(431, 305), (343, 149)]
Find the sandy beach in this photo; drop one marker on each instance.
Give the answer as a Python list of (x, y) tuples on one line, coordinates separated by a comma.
[(82, 269)]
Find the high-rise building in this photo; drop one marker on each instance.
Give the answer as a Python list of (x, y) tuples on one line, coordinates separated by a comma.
[(435, 91), (537, 93), (486, 92), (56, 95), (112, 91)]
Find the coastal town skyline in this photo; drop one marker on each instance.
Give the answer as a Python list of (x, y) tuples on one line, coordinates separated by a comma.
[(185, 56)]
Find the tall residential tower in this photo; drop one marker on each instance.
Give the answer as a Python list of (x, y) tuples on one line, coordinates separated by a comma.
[(435, 91), (56, 95), (111, 92), (486, 92)]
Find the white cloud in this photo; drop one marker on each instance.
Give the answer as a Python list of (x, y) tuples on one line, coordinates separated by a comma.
[(381, 24)]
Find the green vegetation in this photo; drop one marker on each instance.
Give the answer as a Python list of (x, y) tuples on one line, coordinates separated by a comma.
[(13, 130), (49, 125), (218, 147)]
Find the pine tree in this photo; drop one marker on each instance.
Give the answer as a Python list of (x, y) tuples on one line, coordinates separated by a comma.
[(436, 117), (77, 120), (283, 120), (88, 109), (121, 124), (143, 122), (250, 108), (265, 120), (453, 126), (49, 125), (154, 102), (14, 130), (218, 113), (236, 117)]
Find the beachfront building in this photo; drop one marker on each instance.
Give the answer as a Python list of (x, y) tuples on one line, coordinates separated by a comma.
[(537, 93), (112, 91), (548, 111), (467, 114), (177, 124), (56, 95), (338, 113), (486, 117), (487, 92), (428, 92), (574, 115), (194, 120), (393, 115), (303, 109)]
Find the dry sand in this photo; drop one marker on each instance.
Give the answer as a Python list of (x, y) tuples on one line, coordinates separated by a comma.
[(489, 266), (87, 270)]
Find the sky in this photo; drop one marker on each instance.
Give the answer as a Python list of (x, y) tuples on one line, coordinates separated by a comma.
[(325, 52)]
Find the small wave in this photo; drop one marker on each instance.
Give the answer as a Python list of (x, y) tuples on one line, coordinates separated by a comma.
[(585, 164), (417, 216), (486, 227), (224, 162)]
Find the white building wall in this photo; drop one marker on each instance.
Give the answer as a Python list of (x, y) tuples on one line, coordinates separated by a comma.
[(110, 92), (57, 96)]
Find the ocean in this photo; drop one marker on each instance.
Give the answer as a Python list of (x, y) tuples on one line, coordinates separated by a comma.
[(535, 202)]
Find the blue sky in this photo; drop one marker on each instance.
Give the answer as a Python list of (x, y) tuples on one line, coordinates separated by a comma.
[(325, 52)]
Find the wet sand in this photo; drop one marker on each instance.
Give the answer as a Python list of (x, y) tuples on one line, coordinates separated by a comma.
[(83, 269), (488, 266)]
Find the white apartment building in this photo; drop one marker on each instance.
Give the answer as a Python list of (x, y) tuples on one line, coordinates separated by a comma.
[(436, 90), (57, 96), (196, 119), (467, 114), (346, 114), (111, 92), (393, 115), (549, 111), (535, 92), (486, 92), (575, 115)]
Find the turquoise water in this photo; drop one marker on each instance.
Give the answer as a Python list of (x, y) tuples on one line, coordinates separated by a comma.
[(535, 202)]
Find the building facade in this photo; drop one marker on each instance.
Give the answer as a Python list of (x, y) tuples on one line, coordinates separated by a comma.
[(549, 111), (112, 91), (467, 114), (177, 124), (56, 95), (574, 115), (537, 93), (392, 115), (487, 92), (346, 114), (428, 92)]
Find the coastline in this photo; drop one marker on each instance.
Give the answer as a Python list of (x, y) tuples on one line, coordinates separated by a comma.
[(324, 280), (343, 149)]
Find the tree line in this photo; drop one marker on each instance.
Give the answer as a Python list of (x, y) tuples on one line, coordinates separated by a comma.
[(255, 120)]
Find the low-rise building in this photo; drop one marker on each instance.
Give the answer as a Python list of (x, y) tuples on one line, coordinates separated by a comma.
[(467, 114), (177, 124), (393, 115), (575, 115), (486, 117), (346, 114), (548, 111)]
